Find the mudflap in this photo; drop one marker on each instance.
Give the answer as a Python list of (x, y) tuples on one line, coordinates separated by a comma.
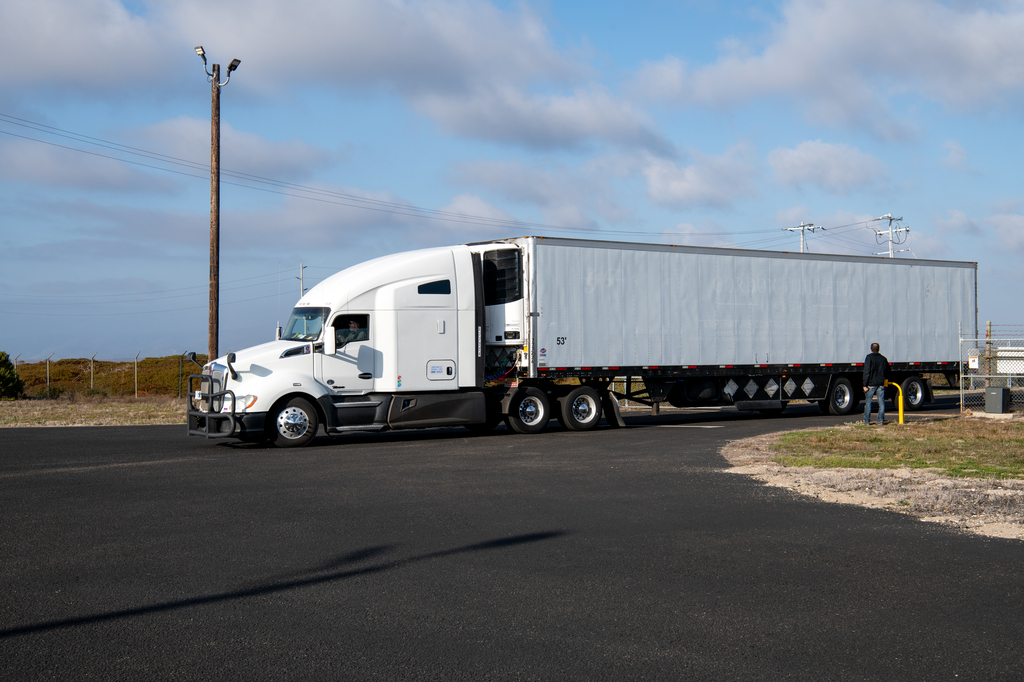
[(611, 410)]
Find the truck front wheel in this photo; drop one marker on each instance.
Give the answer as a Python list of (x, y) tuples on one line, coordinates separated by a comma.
[(293, 424), (841, 398), (581, 409), (529, 410)]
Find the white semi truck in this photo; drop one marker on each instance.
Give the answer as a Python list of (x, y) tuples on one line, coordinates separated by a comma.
[(531, 328)]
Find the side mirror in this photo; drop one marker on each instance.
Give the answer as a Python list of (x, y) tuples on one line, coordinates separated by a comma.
[(191, 356), (278, 335), (230, 359), (330, 341)]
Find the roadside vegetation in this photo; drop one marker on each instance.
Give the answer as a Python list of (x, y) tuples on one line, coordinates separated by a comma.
[(74, 410), (959, 447), (163, 376), (106, 396)]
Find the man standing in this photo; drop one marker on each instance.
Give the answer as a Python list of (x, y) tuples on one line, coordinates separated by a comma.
[(876, 367)]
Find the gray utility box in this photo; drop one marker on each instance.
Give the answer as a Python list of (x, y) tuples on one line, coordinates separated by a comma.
[(997, 399)]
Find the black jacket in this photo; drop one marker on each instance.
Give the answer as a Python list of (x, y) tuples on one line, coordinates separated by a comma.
[(876, 369)]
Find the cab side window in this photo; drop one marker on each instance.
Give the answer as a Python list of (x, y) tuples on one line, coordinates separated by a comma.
[(349, 328)]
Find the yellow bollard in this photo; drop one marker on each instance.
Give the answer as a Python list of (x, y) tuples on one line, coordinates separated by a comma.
[(899, 390)]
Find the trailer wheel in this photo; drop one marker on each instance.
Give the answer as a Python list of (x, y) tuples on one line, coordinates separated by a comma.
[(914, 393), (841, 398), (529, 410), (294, 424), (581, 409)]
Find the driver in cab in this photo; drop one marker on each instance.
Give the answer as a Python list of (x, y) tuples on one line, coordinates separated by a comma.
[(353, 333)]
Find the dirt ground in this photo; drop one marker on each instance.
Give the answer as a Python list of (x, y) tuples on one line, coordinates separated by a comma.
[(990, 507)]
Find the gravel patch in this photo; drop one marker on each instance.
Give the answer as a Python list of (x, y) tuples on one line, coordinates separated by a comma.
[(989, 507)]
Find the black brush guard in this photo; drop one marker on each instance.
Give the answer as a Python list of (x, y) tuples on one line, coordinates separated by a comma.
[(209, 424)]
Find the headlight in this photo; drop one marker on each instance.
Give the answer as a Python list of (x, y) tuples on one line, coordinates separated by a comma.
[(242, 403)]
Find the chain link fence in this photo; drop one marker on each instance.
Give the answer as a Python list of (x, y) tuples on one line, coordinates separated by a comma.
[(997, 360)]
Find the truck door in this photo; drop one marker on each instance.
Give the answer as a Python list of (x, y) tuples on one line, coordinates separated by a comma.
[(355, 363)]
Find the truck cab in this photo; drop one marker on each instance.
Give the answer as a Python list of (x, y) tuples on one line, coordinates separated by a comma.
[(393, 343)]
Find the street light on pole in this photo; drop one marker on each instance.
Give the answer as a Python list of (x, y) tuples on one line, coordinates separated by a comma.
[(216, 85)]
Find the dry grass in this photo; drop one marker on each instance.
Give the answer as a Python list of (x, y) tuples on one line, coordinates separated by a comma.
[(956, 447), (75, 410)]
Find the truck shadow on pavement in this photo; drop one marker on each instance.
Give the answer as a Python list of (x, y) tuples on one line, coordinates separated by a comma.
[(288, 584)]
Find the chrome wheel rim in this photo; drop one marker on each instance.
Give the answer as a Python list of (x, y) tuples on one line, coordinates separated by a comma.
[(583, 409), (530, 411), (292, 423), (841, 396)]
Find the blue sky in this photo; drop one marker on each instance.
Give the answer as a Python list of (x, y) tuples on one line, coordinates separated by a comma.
[(357, 128)]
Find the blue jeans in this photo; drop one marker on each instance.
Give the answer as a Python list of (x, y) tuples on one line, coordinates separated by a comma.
[(868, 395)]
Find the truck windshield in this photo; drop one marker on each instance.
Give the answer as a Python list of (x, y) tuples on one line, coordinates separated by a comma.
[(304, 324)]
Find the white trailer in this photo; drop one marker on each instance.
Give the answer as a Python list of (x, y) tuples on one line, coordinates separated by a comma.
[(531, 328)]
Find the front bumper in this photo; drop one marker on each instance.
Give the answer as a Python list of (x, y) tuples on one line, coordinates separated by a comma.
[(214, 422), (225, 425)]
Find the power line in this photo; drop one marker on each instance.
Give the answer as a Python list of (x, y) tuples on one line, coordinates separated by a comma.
[(342, 198), (304, 191), (200, 287), (131, 313)]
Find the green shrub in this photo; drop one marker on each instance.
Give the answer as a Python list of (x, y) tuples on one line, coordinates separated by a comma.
[(10, 384)]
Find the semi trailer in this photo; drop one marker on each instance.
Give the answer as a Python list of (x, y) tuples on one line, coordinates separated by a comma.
[(527, 329)]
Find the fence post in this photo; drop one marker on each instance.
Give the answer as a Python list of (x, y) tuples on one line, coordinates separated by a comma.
[(48, 375), (988, 353), (92, 376), (137, 375), (16, 372)]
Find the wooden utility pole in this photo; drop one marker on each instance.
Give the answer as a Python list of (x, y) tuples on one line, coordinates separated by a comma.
[(215, 86), (214, 213)]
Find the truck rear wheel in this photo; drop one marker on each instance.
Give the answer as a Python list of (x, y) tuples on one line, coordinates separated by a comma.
[(841, 398), (529, 410), (914, 393), (581, 409), (293, 424)]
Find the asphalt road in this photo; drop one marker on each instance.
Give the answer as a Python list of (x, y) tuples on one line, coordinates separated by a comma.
[(139, 553)]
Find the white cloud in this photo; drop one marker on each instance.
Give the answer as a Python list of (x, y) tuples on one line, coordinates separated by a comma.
[(791, 216), (478, 70), (956, 157), (54, 166), (716, 181), (957, 222), (408, 46), (565, 196), (1010, 231), (544, 121), (243, 152), (835, 168), (843, 61), (78, 44), (186, 141)]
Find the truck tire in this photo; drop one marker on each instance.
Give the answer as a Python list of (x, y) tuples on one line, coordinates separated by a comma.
[(529, 410), (581, 409), (293, 424), (915, 393), (841, 398)]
